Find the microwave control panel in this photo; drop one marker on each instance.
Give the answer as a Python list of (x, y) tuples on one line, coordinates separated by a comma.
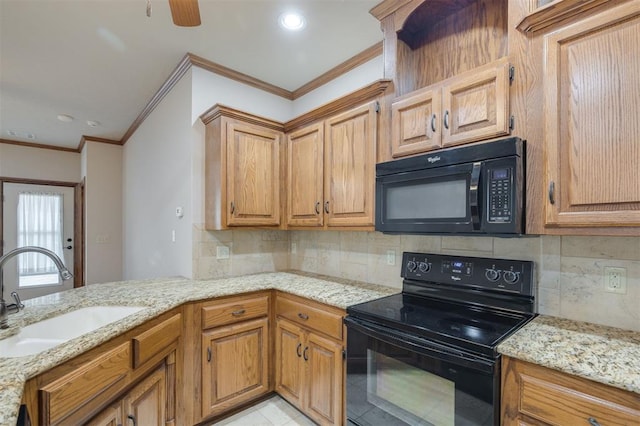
[(500, 195)]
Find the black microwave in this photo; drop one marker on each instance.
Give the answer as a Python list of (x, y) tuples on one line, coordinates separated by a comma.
[(470, 190)]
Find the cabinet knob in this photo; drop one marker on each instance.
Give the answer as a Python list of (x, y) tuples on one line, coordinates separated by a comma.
[(446, 119), (552, 190)]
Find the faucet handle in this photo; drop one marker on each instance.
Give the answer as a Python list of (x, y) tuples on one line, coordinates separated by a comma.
[(19, 303)]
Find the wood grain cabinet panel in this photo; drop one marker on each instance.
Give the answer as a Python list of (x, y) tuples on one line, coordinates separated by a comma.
[(154, 340), (349, 167), (592, 131), (309, 360), (145, 404), (63, 396), (244, 165), (416, 122), (111, 416), (469, 107), (536, 395), (305, 152), (235, 365)]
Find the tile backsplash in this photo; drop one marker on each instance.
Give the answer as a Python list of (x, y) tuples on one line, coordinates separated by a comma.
[(570, 270)]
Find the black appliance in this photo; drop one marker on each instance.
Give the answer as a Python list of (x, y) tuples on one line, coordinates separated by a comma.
[(470, 190), (427, 356)]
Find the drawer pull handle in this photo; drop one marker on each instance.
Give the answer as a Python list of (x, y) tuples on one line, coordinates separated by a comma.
[(303, 316), (593, 422), (446, 120), (238, 312), (298, 350), (209, 354), (317, 207), (132, 418), (233, 207), (326, 207), (433, 122), (304, 353), (552, 192)]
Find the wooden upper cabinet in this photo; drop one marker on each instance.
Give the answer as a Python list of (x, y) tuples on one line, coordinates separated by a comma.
[(253, 182), (476, 105), (243, 169), (349, 167), (416, 122), (470, 107), (305, 151), (592, 131)]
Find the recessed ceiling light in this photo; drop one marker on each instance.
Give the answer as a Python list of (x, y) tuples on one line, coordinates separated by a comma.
[(92, 123), (65, 118), (292, 21)]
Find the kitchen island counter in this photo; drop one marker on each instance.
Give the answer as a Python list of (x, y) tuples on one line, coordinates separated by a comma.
[(158, 296)]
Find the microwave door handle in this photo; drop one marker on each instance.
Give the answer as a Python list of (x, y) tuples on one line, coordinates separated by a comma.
[(473, 195)]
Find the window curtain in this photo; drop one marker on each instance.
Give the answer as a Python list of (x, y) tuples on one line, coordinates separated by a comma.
[(39, 224)]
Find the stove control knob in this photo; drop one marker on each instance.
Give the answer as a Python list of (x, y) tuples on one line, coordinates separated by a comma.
[(424, 267), (411, 266), (511, 277), (492, 274)]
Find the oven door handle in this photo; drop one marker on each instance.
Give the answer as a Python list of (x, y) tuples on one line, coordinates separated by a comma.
[(473, 195), (414, 344)]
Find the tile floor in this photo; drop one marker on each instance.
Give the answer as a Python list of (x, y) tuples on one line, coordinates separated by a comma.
[(274, 411)]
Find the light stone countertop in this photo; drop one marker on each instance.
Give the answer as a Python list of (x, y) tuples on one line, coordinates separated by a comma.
[(603, 354), (159, 295)]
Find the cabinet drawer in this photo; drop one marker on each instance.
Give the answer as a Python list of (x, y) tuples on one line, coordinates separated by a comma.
[(559, 405), (234, 310), (63, 396), (329, 323), (154, 340)]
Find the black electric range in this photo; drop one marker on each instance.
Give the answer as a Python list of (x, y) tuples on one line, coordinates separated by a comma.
[(444, 327)]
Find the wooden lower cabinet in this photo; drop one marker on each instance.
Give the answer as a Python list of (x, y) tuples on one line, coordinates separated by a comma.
[(145, 404), (309, 372), (235, 365), (535, 395)]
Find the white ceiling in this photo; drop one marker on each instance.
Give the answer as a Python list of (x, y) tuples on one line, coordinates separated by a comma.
[(103, 60)]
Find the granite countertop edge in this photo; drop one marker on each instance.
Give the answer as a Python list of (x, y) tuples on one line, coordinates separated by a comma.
[(157, 296), (596, 352)]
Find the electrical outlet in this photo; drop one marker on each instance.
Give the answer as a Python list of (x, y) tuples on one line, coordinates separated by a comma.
[(615, 280), (391, 257), (222, 252)]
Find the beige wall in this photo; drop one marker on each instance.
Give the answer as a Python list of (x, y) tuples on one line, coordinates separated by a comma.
[(569, 270), (102, 164), (36, 163)]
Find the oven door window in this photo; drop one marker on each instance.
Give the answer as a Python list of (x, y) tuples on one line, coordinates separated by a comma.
[(388, 385)]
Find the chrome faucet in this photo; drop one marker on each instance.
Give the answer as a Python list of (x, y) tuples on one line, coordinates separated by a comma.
[(5, 308)]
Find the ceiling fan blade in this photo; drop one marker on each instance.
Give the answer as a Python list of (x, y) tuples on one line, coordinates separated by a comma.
[(185, 13)]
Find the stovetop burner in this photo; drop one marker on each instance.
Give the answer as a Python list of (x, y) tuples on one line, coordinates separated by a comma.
[(456, 301)]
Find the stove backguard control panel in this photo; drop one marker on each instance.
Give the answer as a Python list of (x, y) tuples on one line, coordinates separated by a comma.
[(502, 275)]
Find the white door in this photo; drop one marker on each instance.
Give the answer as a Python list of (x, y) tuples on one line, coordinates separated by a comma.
[(39, 276)]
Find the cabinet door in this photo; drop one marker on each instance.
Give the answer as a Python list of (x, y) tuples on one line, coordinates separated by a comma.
[(253, 175), (305, 150), (324, 365), (476, 105), (235, 365), (416, 123), (592, 105), (289, 366), (111, 416), (146, 403), (349, 167)]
